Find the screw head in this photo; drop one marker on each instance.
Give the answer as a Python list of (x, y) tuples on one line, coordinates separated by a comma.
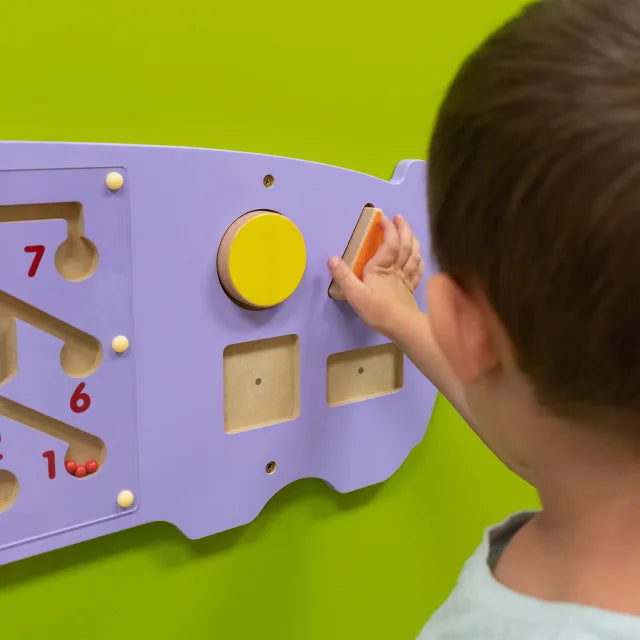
[(114, 181), (268, 181), (120, 344), (125, 499)]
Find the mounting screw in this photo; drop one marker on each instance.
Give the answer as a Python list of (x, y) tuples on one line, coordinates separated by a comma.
[(120, 344), (114, 181), (268, 181), (271, 467), (125, 499)]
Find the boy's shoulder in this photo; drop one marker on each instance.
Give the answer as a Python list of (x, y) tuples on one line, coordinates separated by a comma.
[(480, 608)]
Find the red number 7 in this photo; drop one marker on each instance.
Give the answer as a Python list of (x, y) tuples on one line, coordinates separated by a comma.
[(38, 250)]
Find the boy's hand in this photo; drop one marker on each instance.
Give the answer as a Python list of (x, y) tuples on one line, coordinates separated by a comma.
[(384, 297)]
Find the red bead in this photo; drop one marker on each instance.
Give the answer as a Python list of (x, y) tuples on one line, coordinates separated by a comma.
[(81, 471), (71, 466), (92, 466)]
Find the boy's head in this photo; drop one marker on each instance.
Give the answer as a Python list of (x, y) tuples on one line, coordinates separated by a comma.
[(534, 197)]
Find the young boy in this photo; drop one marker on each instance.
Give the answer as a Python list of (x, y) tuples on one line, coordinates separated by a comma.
[(533, 330)]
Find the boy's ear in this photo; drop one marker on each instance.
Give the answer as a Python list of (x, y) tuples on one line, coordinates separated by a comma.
[(462, 329)]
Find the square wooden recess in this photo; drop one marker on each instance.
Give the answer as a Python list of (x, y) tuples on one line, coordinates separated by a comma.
[(363, 373), (261, 383)]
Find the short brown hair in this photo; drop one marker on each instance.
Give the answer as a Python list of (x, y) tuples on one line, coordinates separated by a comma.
[(534, 194)]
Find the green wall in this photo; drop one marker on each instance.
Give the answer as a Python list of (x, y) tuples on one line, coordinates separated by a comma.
[(348, 82)]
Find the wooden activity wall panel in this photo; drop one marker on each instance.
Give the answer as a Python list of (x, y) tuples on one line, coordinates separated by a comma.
[(168, 347)]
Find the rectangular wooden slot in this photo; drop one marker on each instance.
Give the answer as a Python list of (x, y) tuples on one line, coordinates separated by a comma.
[(261, 383), (363, 373)]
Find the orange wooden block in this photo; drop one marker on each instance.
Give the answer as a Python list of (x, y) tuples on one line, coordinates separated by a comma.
[(367, 236)]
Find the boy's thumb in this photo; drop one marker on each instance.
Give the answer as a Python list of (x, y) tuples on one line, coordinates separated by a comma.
[(351, 287)]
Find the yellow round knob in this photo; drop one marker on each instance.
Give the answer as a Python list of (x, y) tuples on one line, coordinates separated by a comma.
[(262, 258)]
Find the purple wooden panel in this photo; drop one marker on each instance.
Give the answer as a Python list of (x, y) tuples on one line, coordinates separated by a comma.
[(158, 239), (100, 306)]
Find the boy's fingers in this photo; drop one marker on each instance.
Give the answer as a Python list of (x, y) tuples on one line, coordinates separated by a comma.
[(387, 252), (417, 276), (415, 246), (415, 259), (353, 289), (405, 236)]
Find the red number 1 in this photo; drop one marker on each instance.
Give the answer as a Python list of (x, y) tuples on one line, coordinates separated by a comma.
[(38, 250), (51, 459)]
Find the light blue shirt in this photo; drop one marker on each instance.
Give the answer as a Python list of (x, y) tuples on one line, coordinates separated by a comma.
[(480, 608)]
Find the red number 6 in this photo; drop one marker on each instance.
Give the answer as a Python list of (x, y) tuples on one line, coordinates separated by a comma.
[(80, 401)]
